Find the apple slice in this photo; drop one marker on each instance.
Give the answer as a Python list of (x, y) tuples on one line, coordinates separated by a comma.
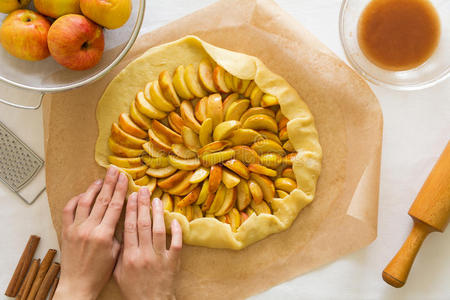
[(140, 119), (266, 186), (190, 138), (257, 168), (190, 198), (143, 181), (283, 134), (228, 78), (205, 134), (207, 204), (223, 130), (158, 142), (151, 184), (281, 194), (161, 172), (122, 151), (237, 167), (182, 151), (249, 89), (180, 84), (125, 139), (271, 160), (224, 219), (237, 83), (261, 122), (244, 217), (255, 191), (154, 95), (261, 208), (246, 155), (136, 172), (288, 146), (178, 209), (256, 111), (283, 122), (167, 89), (270, 135), (187, 114), (175, 121), (147, 108), (236, 110), (157, 193), (230, 179), (267, 146), (244, 136), (184, 164), (290, 158), (197, 212), (205, 73), (192, 81), (230, 99), (250, 211), (269, 100), (218, 199), (199, 175), (209, 159), (243, 86), (285, 184), (213, 147), (214, 109), (172, 181), (155, 162), (219, 79), (164, 132), (123, 162), (203, 192), (167, 202), (153, 151), (289, 173), (127, 124), (255, 96), (243, 195), (215, 178), (228, 202), (200, 109), (183, 186), (278, 116), (235, 219)]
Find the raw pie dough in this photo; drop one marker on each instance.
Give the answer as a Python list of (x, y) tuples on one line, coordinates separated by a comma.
[(205, 229)]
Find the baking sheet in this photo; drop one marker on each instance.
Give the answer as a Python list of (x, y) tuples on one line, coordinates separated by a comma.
[(342, 218)]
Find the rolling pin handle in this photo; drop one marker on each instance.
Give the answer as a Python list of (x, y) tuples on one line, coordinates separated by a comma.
[(396, 272)]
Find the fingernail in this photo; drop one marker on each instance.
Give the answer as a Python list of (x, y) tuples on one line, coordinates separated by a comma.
[(143, 191), (122, 177), (175, 222), (98, 181), (157, 202), (112, 170), (133, 196)]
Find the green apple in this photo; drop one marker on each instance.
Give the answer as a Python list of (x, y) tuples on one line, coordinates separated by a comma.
[(111, 14), (7, 6)]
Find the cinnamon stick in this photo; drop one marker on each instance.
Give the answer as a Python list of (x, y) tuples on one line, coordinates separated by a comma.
[(45, 265), (47, 282), (31, 275), (22, 266), (53, 288)]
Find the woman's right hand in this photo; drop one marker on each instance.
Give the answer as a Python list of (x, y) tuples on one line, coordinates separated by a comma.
[(146, 269)]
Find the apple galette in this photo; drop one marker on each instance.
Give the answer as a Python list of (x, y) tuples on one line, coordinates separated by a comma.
[(227, 145)]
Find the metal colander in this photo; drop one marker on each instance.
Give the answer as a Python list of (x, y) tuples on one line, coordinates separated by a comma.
[(19, 164)]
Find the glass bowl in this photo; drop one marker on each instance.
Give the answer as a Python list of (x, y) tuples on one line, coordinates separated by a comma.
[(434, 70), (47, 76)]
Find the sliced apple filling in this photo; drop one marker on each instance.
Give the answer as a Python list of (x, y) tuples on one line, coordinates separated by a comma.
[(207, 143)]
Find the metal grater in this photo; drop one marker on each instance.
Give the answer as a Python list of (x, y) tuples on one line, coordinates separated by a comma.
[(18, 163)]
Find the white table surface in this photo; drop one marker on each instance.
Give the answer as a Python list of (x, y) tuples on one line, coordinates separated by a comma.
[(416, 129)]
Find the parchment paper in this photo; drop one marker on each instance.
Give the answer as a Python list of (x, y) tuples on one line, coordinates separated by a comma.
[(343, 216)]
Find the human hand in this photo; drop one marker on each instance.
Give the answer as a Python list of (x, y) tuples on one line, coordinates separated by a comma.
[(146, 269), (89, 250)]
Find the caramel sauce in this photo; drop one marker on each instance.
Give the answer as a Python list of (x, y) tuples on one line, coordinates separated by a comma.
[(398, 34)]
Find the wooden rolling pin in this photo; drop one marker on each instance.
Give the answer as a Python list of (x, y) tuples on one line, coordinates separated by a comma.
[(430, 212)]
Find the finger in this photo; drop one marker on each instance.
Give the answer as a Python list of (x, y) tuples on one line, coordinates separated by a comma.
[(114, 209), (144, 221), (130, 238), (116, 249), (69, 211), (159, 229), (104, 198), (176, 244), (86, 200)]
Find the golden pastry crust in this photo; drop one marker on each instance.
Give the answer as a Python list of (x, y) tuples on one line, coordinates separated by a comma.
[(208, 231)]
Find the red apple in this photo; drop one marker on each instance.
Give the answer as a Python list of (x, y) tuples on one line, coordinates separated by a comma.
[(76, 42), (24, 34)]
